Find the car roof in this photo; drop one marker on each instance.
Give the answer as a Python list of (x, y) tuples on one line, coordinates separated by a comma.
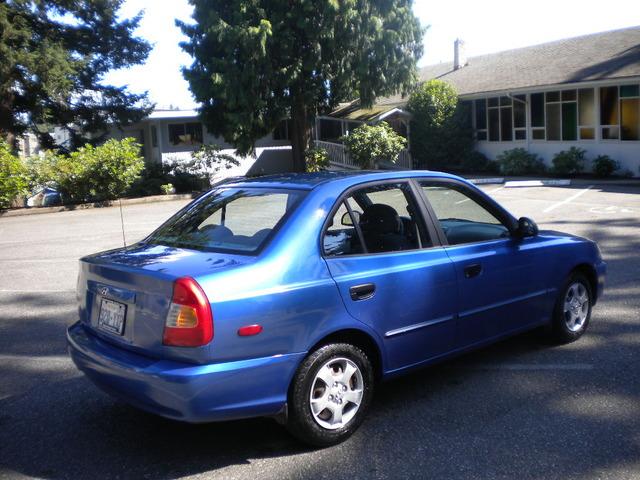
[(308, 181)]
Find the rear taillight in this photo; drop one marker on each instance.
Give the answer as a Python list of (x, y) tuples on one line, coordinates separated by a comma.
[(189, 322)]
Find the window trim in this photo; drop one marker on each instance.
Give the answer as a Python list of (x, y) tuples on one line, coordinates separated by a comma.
[(502, 215), (422, 216)]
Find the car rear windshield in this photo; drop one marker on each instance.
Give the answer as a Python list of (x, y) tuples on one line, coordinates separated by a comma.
[(237, 220)]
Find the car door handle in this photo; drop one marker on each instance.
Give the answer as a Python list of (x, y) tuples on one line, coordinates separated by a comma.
[(362, 292), (471, 271)]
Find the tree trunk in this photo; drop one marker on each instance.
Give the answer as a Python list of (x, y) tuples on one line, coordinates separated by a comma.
[(300, 134)]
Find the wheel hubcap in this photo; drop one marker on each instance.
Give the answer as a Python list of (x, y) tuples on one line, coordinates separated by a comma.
[(336, 393), (576, 306)]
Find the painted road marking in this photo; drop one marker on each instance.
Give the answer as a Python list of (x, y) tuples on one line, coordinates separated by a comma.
[(610, 209), (490, 191), (570, 199)]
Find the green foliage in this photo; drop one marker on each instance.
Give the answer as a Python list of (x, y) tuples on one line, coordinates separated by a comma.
[(13, 176), (90, 173), (368, 145), (518, 161), (478, 162), (167, 189), (569, 162), (317, 159), (441, 134), (604, 166), (258, 62), (54, 56)]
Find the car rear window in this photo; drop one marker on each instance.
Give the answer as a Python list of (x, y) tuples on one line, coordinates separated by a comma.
[(229, 219)]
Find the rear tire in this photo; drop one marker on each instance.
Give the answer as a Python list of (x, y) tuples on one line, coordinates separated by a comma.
[(330, 395), (572, 310)]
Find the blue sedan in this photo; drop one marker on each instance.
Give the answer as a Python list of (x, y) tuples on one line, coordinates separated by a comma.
[(293, 295)]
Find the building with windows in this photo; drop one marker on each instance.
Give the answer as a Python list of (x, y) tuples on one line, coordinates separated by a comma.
[(172, 135), (582, 91)]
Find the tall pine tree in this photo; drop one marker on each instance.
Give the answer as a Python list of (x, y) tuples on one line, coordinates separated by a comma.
[(257, 62), (54, 55)]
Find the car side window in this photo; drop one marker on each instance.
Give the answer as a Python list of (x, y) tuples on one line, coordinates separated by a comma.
[(383, 218), (461, 217)]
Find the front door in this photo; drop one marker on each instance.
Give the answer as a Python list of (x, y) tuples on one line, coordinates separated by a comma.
[(392, 273), (500, 288)]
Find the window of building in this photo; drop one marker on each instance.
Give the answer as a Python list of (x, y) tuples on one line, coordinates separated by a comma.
[(500, 119), (154, 136), (330, 130), (561, 115), (481, 119), (630, 112), (586, 114), (185, 133)]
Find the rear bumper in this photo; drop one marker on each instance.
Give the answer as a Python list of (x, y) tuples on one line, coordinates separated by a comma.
[(182, 391)]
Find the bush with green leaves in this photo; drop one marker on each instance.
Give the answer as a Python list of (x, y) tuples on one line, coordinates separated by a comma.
[(441, 133), (368, 145), (197, 173), (604, 166), (317, 159), (13, 176), (569, 162), (518, 161), (90, 173)]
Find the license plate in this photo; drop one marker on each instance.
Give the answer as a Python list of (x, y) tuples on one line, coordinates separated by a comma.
[(111, 316)]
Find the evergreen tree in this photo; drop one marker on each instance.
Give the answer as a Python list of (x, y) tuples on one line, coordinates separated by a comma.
[(257, 62), (54, 55)]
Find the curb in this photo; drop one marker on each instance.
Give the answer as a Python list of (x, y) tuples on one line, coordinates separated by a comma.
[(19, 212), (487, 181), (536, 183)]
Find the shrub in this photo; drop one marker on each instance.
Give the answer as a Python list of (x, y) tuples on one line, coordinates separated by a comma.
[(368, 145), (167, 189), (478, 162), (604, 166), (90, 173), (441, 134), (197, 173), (317, 159), (13, 176), (569, 162), (518, 161)]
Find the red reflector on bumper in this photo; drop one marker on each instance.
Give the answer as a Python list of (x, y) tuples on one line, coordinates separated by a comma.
[(249, 330)]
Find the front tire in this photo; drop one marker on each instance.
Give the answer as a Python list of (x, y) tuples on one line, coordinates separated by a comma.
[(572, 310), (330, 394)]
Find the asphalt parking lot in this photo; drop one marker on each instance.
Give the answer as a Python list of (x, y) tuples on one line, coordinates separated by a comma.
[(520, 409)]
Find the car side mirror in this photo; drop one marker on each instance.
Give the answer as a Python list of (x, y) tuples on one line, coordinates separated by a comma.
[(526, 228), (346, 219)]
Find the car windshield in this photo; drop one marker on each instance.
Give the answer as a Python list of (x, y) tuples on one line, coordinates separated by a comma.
[(228, 219)]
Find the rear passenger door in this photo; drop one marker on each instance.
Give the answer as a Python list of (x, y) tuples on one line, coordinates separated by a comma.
[(501, 285), (391, 271)]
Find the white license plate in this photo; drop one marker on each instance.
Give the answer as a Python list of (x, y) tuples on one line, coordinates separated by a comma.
[(111, 316)]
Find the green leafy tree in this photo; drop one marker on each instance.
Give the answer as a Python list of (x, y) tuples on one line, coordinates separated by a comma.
[(260, 61), (13, 176), (317, 159), (54, 55), (368, 145), (441, 134)]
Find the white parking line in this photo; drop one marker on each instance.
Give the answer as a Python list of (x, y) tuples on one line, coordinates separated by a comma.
[(490, 191), (570, 199)]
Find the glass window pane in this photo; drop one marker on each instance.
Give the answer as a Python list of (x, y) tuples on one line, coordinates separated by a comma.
[(569, 121), (629, 90), (609, 106), (553, 96), (610, 133), (505, 101), (568, 95), (587, 133), (586, 107), (341, 239), (521, 134), (553, 121), (462, 219), (506, 124), (519, 119), (630, 119), (494, 124), (493, 102), (481, 135), (481, 114), (537, 134), (537, 110)]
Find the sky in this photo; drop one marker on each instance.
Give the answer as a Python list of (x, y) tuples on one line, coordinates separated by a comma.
[(486, 26)]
